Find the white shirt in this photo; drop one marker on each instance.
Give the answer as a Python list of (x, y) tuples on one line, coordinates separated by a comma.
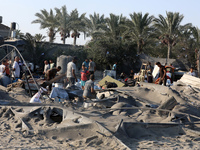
[(192, 74), (46, 67), (2, 67), (70, 66), (17, 69)]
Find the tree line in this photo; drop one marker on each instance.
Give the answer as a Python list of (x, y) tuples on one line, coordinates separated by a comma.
[(118, 38)]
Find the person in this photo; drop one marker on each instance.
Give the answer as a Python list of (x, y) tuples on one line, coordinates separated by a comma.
[(3, 68), (84, 74), (89, 88), (71, 69), (130, 81), (92, 66), (163, 77), (21, 64), (86, 64), (51, 64), (51, 73), (46, 67), (149, 73), (7, 64), (16, 68), (191, 72), (114, 66), (122, 76)]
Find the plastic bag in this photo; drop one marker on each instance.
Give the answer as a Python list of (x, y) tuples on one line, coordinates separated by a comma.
[(36, 97)]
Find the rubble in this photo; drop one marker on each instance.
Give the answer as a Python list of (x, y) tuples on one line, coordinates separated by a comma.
[(149, 116)]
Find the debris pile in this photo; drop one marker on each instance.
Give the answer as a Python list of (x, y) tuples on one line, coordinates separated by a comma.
[(146, 116)]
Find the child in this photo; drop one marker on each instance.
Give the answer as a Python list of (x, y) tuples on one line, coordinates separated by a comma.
[(84, 74)]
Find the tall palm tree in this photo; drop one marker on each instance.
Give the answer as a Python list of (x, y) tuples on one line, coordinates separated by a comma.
[(196, 36), (64, 22), (47, 20), (168, 29), (114, 26), (139, 29), (77, 24), (95, 25)]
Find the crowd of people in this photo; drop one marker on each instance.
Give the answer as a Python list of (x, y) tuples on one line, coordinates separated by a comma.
[(87, 73)]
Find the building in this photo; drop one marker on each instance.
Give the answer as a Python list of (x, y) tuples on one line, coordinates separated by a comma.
[(4, 31)]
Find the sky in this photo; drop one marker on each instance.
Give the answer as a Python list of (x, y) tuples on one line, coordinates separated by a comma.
[(23, 11)]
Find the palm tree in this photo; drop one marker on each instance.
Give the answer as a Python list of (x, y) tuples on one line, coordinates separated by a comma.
[(114, 26), (168, 29), (95, 25), (47, 20), (39, 37), (139, 29), (77, 24), (64, 22), (19, 34)]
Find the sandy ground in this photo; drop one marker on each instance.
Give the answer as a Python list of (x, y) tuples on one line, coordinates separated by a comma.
[(100, 126)]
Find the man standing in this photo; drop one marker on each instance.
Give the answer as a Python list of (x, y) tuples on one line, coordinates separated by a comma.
[(3, 68), (114, 66), (7, 64), (92, 66), (71, 69), (149, 73), (86, 64), (16, 68), (46, 67), (52, 65), (51, 73), (163, 77), (89, 88)]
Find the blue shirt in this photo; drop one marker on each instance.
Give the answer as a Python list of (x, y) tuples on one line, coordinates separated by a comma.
[(86, 64), (114, 67)]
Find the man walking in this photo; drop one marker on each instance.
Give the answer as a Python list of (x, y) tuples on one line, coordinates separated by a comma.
[(71, 69)]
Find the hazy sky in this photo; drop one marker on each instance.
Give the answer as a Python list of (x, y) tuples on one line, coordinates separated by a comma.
[(23, 11)]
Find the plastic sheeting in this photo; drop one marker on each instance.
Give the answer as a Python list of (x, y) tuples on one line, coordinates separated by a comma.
[(59, 92)]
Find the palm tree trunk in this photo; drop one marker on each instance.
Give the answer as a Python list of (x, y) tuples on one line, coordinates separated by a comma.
[(138, 48), (169, 52), (75, 40), (64, 40)]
